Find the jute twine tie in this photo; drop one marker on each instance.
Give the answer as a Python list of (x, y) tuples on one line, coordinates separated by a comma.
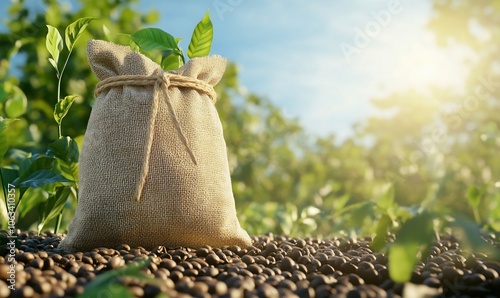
[(161, 81)]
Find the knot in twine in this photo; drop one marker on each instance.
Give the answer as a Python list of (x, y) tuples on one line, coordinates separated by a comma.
[(162, 81)]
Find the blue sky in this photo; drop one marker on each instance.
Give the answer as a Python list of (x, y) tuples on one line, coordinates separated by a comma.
[(320, 61)]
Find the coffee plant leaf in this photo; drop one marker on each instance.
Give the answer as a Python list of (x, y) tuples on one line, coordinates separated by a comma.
[(201, 41), (75, 30), (62, 107), (54, 44)]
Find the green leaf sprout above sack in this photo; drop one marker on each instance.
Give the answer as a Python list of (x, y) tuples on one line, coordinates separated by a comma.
[(201, 41), (153, 40)]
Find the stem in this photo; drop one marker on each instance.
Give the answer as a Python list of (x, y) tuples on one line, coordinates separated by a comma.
[(60, 75), (58, 222), (60, 215), (74, 191), (59, 126), (477, 218)]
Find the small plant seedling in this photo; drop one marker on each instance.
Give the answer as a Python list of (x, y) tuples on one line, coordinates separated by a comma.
[(151, 40), (58, 166)]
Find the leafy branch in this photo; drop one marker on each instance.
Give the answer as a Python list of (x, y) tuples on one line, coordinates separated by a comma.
[(54, 44)]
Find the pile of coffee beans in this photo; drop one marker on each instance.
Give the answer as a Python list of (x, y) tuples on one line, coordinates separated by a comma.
[(274, 266)]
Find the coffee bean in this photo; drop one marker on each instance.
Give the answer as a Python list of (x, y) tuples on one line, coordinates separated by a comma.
[(4, 289), (42, 287), (266, 290), (248, 259), (347, 268), (276, 265), (87, 260), (490, 274), (327, 269), (432, 282), (115, 263), (322, 258), (474, 279), (151, 291), (286, 283), (199, 288), (25, 257), (202, 252), (48, 263), (176, 275), (286, 264), (271, 247), (305, 292), (24, 292), (179, 255), (304, 260), (4, 271), (36, 263)]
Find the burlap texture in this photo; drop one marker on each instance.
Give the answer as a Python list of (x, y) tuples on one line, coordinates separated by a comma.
[(150, 175)]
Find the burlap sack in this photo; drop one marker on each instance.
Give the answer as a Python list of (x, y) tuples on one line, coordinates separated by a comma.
[(153, 166)]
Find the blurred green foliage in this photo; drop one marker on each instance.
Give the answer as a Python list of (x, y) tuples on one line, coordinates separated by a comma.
[(436, 151)]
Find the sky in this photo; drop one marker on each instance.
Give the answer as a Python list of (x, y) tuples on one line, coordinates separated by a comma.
[(320, 61)]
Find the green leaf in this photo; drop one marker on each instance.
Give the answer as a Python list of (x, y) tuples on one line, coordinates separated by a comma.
[(201, 41), (381, 230), (474, 195), (54, 44), (117, 289), (66, 151), (358, 212), (150, 39), (108, 280), (35, 163), (17, 104), (53, 63), (53, 206), (415, 234), (4, 94), (41, 178), (31, 199), (4, 123), (74, 30), (470, 236), (62, 108), (386, 199), (38, 171), (106, 31), (171, 62), (8, 175)]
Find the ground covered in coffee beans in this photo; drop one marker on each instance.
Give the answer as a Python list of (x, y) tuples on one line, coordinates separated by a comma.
[(274, 266)]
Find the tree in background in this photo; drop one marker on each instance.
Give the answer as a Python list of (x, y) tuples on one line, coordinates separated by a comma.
[(443, 145), (26, 38)]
